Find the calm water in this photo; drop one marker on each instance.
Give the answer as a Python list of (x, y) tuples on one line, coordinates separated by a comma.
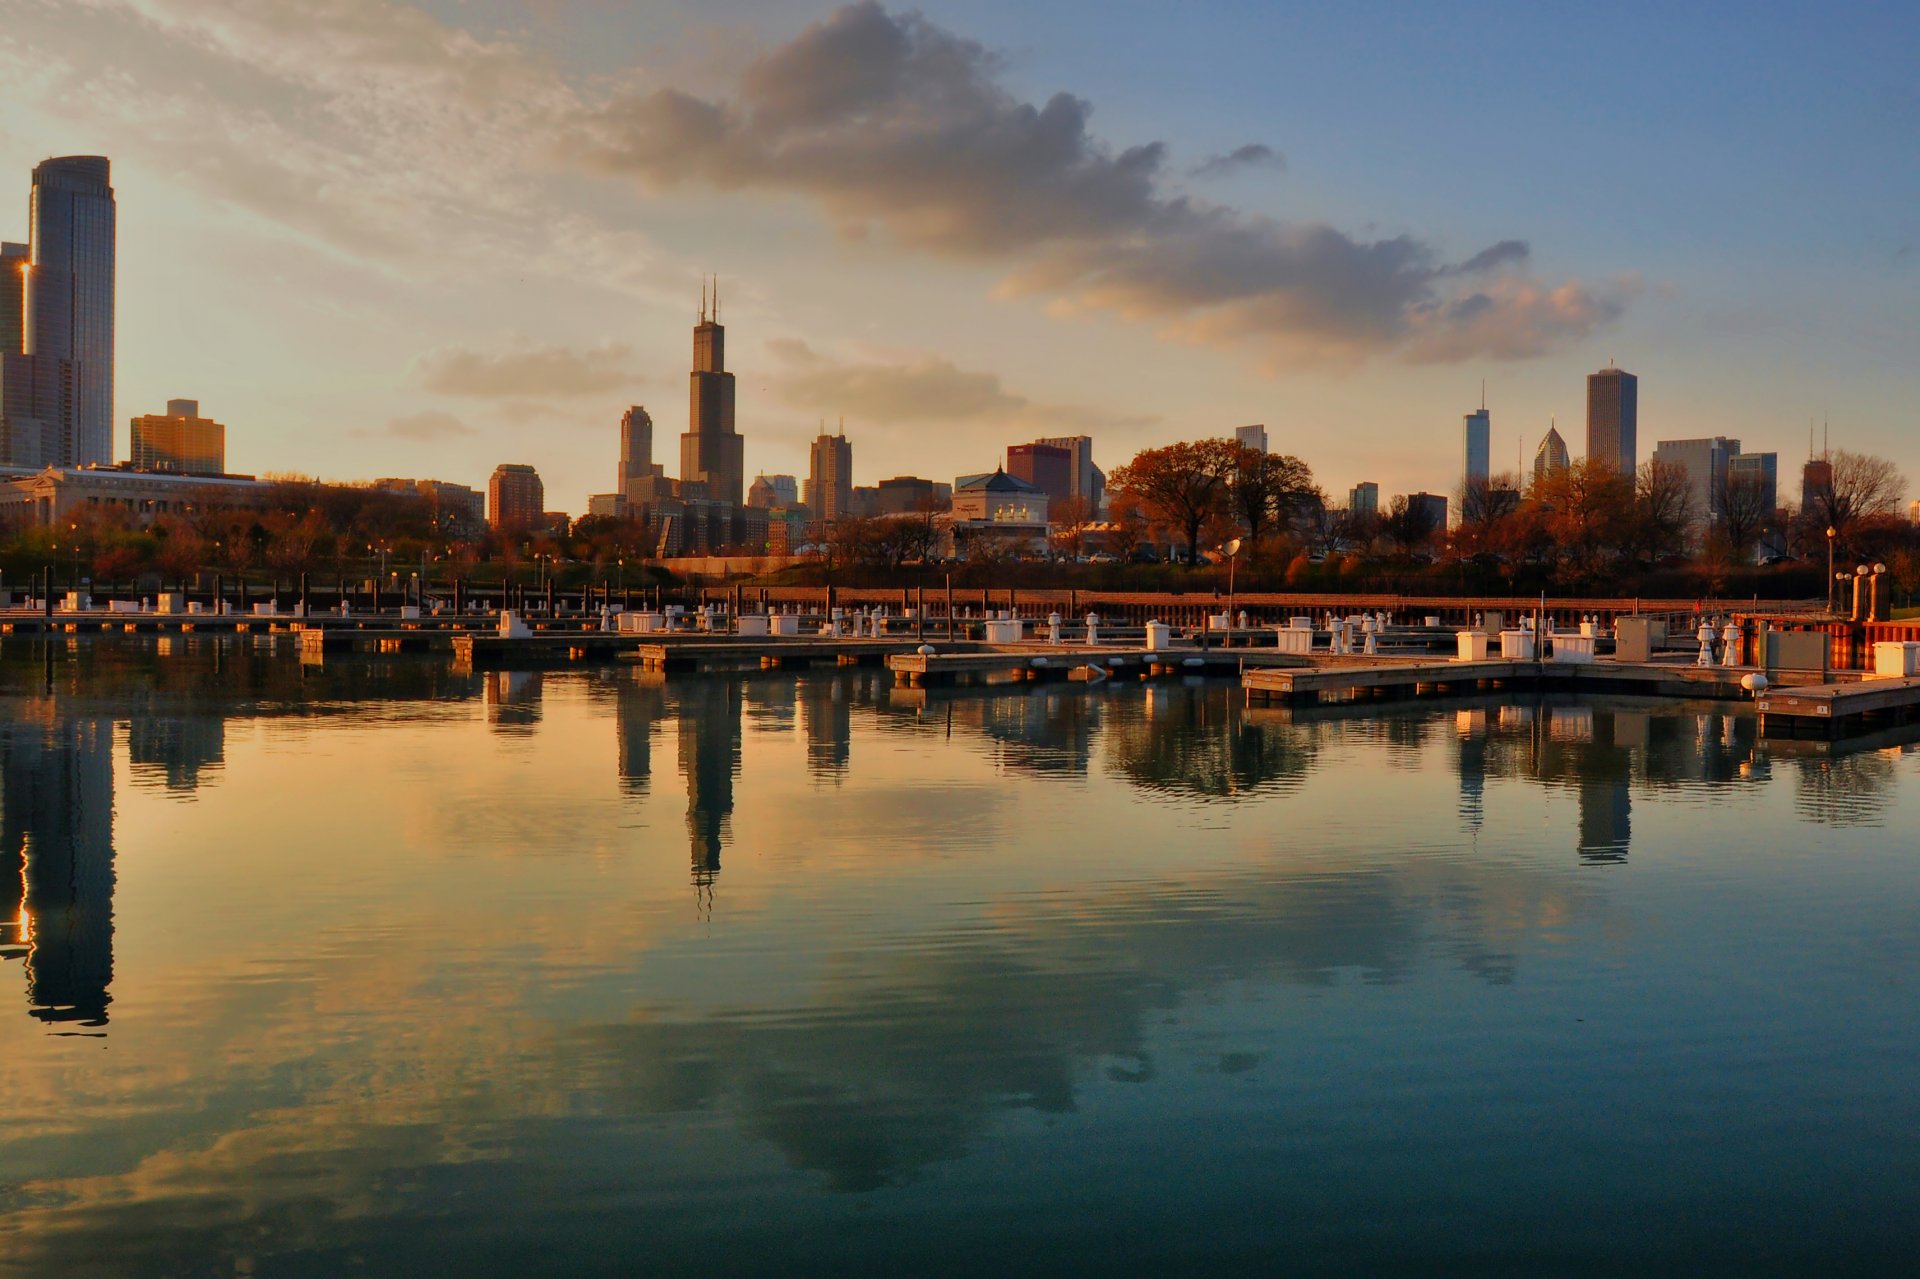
[(377, 968)]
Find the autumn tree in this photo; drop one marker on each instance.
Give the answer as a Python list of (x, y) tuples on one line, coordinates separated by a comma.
[(1585, 509), (1180, 485)]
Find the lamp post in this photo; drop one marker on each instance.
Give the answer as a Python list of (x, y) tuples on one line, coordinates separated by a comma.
[(1233, 562), (1830, 577)]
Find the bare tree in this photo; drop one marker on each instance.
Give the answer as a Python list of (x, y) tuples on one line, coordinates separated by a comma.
[(1853, 486), (1745, 507), (1663, 510)]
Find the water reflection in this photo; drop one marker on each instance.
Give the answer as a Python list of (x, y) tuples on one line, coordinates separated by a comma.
[(709, 727), (1021, 943), (56, 861)]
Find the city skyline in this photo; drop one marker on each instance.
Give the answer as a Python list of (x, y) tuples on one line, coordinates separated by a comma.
[(491, 317)]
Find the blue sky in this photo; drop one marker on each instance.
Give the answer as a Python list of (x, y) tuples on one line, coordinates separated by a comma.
[(382, 240)]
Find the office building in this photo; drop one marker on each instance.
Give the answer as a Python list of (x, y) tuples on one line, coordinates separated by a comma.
[(636, 450), (907, 494), (1429, 506), (1048, 467), (1761, 470), (830, 477), (1551, 457), (1088, 481), (516, 499), (1706, 463), (1252, 437), (13, 298), (1613, 420), (711, 452), (1363, 498), (769, 492), (67, 310), (179, 440)]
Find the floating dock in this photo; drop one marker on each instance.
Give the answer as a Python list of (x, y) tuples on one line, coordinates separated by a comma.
[(1371, 679), (1839, 710), (915, 669)]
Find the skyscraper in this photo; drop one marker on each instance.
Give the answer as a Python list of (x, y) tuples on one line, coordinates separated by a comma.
[(636, 451), (1479, 443), (1613, 419), (515, 496), (13, 298), (830, 477), (1477, 468), (69, 298), (1252, 437), (711, 452), (1364, 498), (1551, 456)]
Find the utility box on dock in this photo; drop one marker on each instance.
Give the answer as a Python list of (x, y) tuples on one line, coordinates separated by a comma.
[(1636, 638), (1897, 659), (1797, 651)]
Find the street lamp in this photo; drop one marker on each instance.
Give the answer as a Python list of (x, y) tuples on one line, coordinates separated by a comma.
[(1233, 562), (1830, 577)]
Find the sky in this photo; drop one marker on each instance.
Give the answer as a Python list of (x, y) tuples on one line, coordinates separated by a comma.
[(381, 239)]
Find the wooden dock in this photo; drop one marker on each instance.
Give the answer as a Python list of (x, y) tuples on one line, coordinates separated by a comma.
[(737, 653), (1839, 710), (1350, 682), (1039, 661)]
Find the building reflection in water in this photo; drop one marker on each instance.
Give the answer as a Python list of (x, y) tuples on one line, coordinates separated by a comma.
[(639, 705), (174, 751), (826, 719), (513, 700), (708, 724), (56, 864)]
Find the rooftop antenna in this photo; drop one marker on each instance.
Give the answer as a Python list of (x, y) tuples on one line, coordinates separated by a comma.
[(1483, 393), (716, 299), (703, 297)]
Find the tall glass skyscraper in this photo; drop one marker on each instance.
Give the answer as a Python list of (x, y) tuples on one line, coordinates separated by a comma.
[(69, 299), (1613, 420)]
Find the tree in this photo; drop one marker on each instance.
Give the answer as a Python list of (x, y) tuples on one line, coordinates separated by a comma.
[(1181, 485), (1070, 517), (1851, 487), (1266, 489), (1409, 526), (1746, 512), (1127, 525), (1663, 510), (1585, 510)]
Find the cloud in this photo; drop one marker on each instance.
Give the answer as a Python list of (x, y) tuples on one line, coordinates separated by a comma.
[(889, 123), (916, 388), (1254, 155), (429, 425), (923, 388), (534, 371)]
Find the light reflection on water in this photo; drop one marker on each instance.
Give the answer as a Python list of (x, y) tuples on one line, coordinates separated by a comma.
[(374, 967)]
